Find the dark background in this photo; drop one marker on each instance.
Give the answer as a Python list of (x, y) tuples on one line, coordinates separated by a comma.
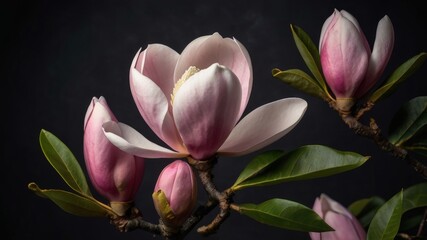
[(57, 55)]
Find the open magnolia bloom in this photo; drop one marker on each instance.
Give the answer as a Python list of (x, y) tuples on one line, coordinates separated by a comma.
[(194, 101)]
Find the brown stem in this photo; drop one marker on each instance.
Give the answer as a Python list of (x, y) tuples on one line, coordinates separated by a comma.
[(365, 108), (134, 221), (204, 171), (374, 132), (200, 212), (423, 221)]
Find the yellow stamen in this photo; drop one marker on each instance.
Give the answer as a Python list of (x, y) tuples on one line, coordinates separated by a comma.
[(187, 74)]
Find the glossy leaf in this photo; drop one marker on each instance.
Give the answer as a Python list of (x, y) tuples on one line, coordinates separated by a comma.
[(310, 54), (398, 76), (73, 203), (64, 162), (300, 80), (410, 223), (418, 142), (386, 221), (408, 122), (365, 209), (307, 162), (415, 197), (285, 214), (259, 164)]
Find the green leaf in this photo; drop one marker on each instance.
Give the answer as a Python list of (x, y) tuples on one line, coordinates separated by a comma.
[(258, 164), (307, 162), (386, 221), (310, 54), (385, 224), (409, 121), (415, 197), (64, 162), (418, 142), (285, 214), (365, 209), (72, 203), (398, 76), (409, 223), (301, 81)]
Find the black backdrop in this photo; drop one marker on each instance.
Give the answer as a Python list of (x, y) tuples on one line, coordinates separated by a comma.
[(59, 54)]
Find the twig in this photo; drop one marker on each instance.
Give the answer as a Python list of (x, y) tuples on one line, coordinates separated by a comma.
[(374, 132), (197, 216), (422, 223), (204, 170), (134, 221)]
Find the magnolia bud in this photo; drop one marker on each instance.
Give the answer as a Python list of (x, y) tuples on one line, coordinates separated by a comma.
[(349, 66), (346, 226), (175, 193), (115, 174)]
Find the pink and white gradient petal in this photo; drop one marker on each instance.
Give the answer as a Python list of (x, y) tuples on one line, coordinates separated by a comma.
[(263, 126)]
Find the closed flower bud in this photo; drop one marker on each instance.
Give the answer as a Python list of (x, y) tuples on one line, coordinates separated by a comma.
[(175, 193), (346, 226), (349, 66), (115, 174)]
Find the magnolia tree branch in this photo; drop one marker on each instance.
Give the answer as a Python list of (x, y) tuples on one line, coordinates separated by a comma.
[(223, 199), (195, 218), (134, 220), (374, 132)]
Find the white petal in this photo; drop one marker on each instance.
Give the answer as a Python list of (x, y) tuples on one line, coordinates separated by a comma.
[(206, 109), (263, 126), (129, 140), (153, 106), (381, 52)]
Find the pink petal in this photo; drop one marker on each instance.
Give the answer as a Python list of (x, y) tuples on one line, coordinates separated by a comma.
[(89, 111), (206, 109), (343, 226), (315, 235), (103, 102), (98, 151), (317, 207), (352, 19), (206, 50), (263, 126), (328, 204), (329, 22), (344, 58), (157, 62), (153, 106), (129, 140), (383, 47)]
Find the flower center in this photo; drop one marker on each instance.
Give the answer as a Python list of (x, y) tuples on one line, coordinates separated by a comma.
[(187, 74)]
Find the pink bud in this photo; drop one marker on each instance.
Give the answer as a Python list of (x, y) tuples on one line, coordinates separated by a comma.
[(175, 193), (346, 226), (349, 66), (115, 174)]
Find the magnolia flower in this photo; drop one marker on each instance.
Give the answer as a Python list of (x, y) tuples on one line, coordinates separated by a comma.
[(175, 193), (115, 174), (346, 226), (193, 102), (349, 66)]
